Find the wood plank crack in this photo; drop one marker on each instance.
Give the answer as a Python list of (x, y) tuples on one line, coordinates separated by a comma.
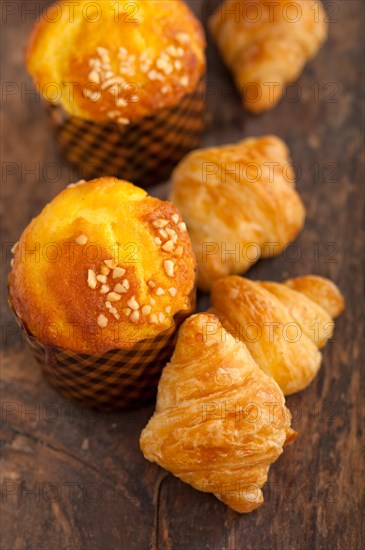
[(155, 533)]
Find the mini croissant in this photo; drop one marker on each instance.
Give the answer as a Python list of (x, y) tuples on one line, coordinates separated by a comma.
[(239, 202), (220, 421), (283, 325), (266, 44)]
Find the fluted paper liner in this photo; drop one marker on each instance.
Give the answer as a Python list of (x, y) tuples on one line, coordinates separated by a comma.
[(117, 379), (144, 152)]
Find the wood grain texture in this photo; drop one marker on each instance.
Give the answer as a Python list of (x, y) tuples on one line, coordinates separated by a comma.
[(75, 479)]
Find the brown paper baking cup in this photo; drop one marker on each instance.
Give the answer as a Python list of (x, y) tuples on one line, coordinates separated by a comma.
[(144, 152), (117, 379)]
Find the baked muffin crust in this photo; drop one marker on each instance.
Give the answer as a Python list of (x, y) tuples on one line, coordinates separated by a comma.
[(102, 267), (120, 62)]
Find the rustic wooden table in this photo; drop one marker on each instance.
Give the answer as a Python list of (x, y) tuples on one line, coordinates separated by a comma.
[(75, 479)]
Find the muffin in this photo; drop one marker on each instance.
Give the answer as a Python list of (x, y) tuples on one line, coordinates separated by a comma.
[(124, 81), (100, 281), (240, 204)]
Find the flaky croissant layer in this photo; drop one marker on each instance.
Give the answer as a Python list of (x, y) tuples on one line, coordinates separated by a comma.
[(283, 325), (266, 44), (220, 421), (240, 204)]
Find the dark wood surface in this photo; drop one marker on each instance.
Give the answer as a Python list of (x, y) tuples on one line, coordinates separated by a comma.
[(75, 479)]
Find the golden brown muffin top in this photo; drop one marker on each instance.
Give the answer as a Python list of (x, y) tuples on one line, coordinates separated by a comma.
[(102, 267), (116, 61)]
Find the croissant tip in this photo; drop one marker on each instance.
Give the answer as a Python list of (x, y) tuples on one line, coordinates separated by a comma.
[(341, 306), (291, 435)]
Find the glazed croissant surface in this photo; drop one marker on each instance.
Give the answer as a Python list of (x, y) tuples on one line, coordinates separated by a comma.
[(220, 421), (239, 202), (267, 43), (283, 325)]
